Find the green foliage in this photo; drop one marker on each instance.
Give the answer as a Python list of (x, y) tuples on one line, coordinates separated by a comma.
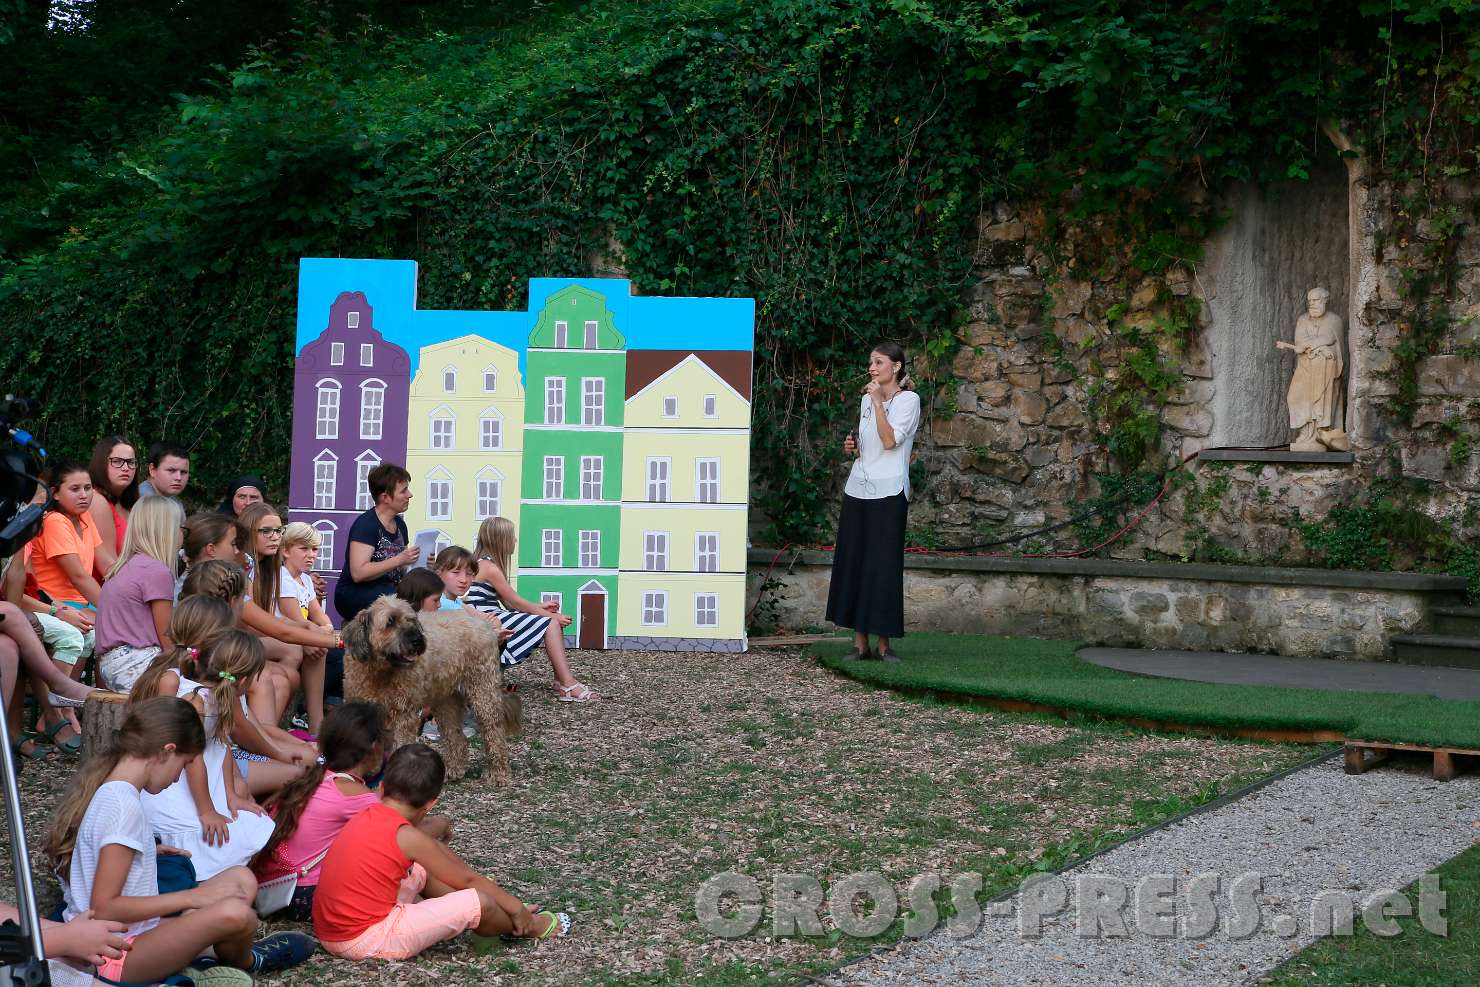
[(166, 165), (1385, 531), (1120, 496)]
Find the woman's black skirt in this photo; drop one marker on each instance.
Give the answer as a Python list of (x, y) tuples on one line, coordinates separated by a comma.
[(867, 590)]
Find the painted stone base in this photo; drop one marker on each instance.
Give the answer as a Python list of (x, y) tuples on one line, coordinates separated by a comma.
[(715, 645), (1295, 612)]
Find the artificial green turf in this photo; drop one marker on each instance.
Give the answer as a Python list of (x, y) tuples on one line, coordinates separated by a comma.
[(1414, 957), (1049, 672)]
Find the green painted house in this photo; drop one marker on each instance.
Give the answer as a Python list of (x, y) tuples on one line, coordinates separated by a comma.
[(570, 519)]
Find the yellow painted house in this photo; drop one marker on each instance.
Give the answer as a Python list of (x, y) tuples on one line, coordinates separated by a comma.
[(685, 475), (464, 439)]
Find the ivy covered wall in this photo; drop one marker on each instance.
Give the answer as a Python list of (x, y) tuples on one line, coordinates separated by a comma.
[(863, 168)]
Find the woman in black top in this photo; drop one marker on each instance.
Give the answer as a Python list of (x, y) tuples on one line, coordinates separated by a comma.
[(379, 548)]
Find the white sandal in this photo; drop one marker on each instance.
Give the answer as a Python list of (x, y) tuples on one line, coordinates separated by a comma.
[(576, 692)]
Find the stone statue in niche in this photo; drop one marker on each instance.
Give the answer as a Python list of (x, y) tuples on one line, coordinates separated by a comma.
[(1316, 408)]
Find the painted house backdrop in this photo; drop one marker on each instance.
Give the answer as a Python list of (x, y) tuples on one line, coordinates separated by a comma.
[(613, 430)]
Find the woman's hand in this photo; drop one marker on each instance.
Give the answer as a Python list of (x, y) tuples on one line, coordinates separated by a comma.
[(80, 619), (850, 445), (248, 804), (563, 619), (409, 555), (89, 939), (872, 390), (213, 828)]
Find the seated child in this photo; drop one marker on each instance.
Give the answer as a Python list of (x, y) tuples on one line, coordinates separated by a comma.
[(422, 588), (209, 809), (138, 597), (311, 811), (388, 890), (101, 847)]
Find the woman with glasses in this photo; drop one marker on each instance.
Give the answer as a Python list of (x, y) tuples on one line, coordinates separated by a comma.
[(114, 469), (298, 649)]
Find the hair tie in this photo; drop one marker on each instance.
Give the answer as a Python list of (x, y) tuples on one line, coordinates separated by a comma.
[(193, 652), (227, 677), (320, 760)]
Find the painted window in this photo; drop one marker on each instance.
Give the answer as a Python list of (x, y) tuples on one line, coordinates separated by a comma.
[(372, 409), (655, 551), (555, 598), (593, 401), (325, 472), (658, 470), (706, 475), (654, 608), (366, 462), (591, 470), (670, 406), (449, 380), (327, 414), (490, 380), (562, 333), (442, 431), (711, 406), (706, 551), (706, 609), (554, 477), (554, 400), (439, 499), (353, 320), (590, 549), (325, 559), (590, 334), (550, 548), (336, 354), (367, 355), (491, 431), (490, 491)]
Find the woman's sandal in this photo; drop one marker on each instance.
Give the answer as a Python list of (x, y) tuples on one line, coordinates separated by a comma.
[(559, 926), (36, 753), (576, 692), (71, 745)]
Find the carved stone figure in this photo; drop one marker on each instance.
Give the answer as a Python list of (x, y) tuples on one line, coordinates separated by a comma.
[(1316, 399)]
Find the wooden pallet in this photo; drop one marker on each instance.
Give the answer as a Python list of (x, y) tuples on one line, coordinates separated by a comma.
[(1445, 758)]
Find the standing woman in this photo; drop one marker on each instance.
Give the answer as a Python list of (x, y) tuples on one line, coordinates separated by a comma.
[(114, 469), (867, 591)]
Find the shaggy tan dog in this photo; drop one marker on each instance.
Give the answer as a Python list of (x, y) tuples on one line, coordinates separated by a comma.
[(458, 667)]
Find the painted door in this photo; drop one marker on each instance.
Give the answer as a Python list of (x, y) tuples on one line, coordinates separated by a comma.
[(593, 621)]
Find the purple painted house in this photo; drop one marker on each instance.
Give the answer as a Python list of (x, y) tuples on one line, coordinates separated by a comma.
[(350, 394)]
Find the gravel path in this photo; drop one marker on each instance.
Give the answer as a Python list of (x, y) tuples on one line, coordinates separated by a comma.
[(1314, 831)]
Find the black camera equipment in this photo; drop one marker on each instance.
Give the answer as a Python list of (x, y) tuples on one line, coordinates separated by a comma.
[(22, 957)]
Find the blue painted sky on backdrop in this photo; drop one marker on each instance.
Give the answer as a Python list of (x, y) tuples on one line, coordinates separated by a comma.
[(649, 322)]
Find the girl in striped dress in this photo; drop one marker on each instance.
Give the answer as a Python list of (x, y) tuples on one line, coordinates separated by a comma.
[(532, 624)]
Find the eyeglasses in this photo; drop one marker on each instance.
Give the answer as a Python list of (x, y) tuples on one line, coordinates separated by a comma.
[(118, 462), (269, 531)]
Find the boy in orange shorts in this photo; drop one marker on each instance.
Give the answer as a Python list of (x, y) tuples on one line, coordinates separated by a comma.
[(388, 891)]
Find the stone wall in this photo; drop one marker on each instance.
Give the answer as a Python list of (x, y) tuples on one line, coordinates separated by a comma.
[(1296, 612), (1015, 445)]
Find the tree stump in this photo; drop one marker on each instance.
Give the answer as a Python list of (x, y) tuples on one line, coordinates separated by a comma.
[(103, 713)]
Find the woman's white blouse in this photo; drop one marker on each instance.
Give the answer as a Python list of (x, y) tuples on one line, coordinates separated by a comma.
[(879, 472)]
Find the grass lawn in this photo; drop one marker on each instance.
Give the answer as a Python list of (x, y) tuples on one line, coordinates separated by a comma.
[(762, 763), (1413, 958), (1049, 672)]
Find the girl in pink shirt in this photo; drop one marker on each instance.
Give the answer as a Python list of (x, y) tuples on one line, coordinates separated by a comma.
[(312, 810)]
